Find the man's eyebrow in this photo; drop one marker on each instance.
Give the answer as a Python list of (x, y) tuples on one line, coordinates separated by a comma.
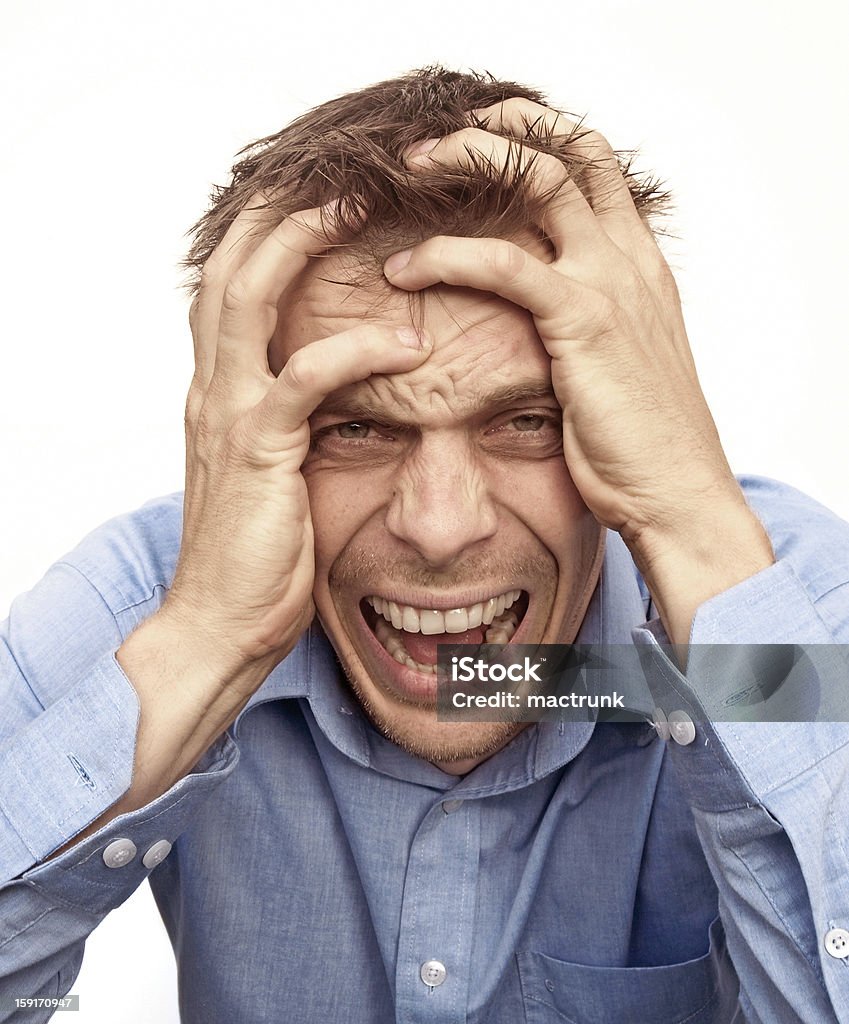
[(352, 407), (518, 393), (361, 407)]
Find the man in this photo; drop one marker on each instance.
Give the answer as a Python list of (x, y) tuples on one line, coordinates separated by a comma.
[(443, 391)]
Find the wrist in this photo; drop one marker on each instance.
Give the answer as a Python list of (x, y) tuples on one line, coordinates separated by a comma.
[(187, 699), (228, 650), (698, 558), (191, 661)]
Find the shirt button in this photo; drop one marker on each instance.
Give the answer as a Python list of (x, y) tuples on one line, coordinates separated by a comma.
[(681, 727), (449, 806), (156, 854), (837, 943), (119, 853), (433, 973), (660, 723)]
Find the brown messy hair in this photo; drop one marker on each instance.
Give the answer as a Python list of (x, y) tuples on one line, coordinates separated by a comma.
[(351, 149)]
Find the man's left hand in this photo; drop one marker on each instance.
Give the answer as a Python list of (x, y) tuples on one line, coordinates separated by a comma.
[(638, 438)]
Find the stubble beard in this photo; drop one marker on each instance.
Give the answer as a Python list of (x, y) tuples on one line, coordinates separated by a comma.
[(403, 724), (462, 741)]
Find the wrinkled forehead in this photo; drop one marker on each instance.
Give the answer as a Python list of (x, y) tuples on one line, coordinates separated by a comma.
[(330, 297)]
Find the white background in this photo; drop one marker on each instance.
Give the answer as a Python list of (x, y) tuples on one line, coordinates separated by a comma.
[(116, 117)]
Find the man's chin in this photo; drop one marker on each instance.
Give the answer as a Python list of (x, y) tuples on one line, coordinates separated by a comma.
[(456, 747)]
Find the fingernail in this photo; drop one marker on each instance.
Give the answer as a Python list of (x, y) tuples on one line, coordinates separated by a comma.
[(421, 149), (412, 338), (396, 262)]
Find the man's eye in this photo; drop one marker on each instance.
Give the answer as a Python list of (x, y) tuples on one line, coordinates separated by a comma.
[(526, 435), (528, 422), (352, 430)]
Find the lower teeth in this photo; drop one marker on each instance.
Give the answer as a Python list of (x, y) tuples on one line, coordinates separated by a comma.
[(499, 632)]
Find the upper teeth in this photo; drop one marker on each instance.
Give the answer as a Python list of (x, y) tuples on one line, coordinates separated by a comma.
[(456, 620)]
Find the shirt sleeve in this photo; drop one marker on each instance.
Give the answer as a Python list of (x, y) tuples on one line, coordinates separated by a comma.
[(67, 742), (757, 730)]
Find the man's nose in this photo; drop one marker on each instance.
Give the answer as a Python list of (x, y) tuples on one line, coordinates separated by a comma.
[(441, 505)]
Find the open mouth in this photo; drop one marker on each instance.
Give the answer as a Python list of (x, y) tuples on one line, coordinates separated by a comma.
[(411, 634)]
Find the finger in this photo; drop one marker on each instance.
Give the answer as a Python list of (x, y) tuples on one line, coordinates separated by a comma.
[(249, 306), (322, 367), (598, 173), (524, 119), (562, 305), (601, 172), (243, 234), (508, 270), (568, 218), (593, 164)]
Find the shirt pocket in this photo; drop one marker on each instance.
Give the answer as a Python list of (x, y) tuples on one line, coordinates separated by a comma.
[(701, 991)]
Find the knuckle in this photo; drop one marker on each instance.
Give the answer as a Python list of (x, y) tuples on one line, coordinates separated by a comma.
[(666, 283), (194, 403), (306, 228), (514, 104), (598, 145), (201, 431), (504, 259), (439, 248), (434, 250), (594, 152), (460, 145), (436, 244), (300, 373), (549, 172), (194, 314), (528, 116), (210, 274), (652, 268), (237, 293)]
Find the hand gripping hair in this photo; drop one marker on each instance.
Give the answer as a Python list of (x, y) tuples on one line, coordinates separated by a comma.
[(351, 149)]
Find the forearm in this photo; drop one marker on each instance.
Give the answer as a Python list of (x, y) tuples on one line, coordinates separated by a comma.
[(50, 908), (187, 696)]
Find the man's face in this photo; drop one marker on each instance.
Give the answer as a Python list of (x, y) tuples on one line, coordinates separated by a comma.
[(442, 507)]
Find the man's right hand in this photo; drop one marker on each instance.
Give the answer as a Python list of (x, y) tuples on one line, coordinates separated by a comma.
[(242, 591)]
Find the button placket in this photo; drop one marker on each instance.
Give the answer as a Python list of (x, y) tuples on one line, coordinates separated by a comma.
[(433, 965)]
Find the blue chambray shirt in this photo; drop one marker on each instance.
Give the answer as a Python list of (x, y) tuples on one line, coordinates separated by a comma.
[(587, 873)]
